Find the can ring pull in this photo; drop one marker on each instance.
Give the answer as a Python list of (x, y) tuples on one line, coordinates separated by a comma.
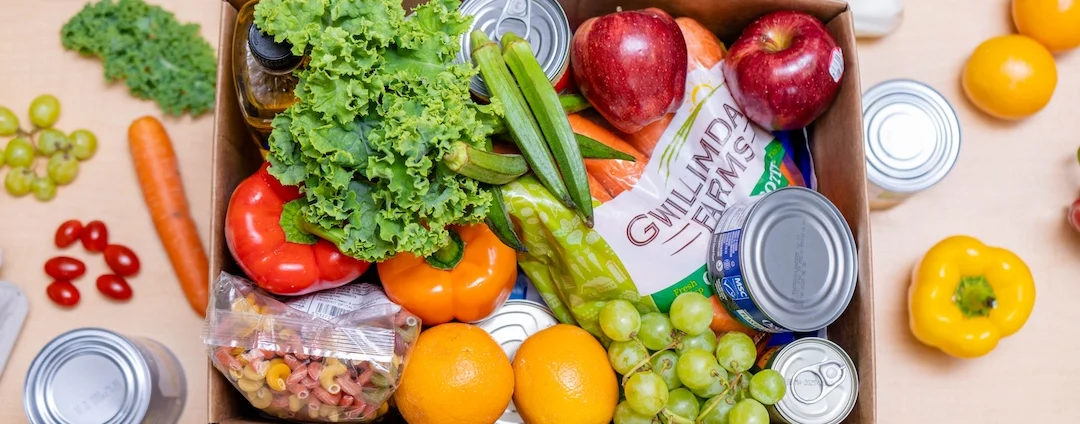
[(516, 9), (831, 374)]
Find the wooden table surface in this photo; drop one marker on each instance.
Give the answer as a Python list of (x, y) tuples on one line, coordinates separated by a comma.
[(1009, 188)]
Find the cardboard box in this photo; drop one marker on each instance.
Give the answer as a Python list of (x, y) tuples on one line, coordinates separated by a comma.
[(837, 148)]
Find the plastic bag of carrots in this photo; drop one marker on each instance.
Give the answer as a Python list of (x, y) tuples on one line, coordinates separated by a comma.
[(654, 216), (331, 356)]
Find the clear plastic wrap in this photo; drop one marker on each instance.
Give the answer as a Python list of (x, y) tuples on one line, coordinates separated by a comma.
[(331, 356)]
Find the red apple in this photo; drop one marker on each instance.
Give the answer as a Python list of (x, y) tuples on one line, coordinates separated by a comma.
[(784, 70), (631, 66)]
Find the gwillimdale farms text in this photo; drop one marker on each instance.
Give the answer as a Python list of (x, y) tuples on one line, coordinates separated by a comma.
[(702, 193)]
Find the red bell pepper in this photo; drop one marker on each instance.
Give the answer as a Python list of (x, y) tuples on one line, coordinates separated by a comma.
[(257, 240)]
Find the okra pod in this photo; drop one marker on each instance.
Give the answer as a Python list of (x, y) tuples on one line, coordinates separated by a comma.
[(522, 126), (573, 103), (592, 149), (498, 220), (485, 167), (544, 102)]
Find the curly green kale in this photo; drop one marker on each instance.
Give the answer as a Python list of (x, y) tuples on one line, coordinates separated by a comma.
[(379, 104), (158, 57)]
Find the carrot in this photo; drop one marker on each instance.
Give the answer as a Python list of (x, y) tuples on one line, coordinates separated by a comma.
[(163, 190), (723, 322), (645, 139), (505, 148), (616, 176), (703, 49), (597, 190)]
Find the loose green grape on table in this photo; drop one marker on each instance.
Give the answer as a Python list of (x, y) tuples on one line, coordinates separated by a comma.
[(42, 157)]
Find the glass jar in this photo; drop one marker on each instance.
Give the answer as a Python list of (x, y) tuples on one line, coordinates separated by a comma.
[(262, 70)]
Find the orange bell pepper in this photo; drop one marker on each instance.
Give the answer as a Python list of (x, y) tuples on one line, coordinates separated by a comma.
[(466, 280)]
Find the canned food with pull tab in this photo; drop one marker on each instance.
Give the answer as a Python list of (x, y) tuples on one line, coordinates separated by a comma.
[(542, 23), (822, 383)]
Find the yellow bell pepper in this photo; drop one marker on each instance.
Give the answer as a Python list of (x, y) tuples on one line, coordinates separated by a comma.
[(965, 296)]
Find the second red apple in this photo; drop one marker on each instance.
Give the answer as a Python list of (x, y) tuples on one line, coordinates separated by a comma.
[(784, 70)]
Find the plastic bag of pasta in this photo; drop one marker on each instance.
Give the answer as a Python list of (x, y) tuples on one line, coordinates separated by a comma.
[(331, 356)]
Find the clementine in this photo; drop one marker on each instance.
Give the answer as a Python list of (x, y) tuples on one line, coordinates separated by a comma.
[(1053, 23), (456, 374), (562, 375), (1010, 77)]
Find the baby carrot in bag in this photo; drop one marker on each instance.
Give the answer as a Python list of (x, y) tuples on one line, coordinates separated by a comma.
[(615, 175)]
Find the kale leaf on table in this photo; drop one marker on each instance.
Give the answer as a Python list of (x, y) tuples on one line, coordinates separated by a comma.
[(158, 57)]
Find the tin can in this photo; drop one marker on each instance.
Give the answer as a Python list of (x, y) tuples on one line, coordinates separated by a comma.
[(822, 382), (912, 138), (542, 23), (510, 326), (93, 376), (783, 261)]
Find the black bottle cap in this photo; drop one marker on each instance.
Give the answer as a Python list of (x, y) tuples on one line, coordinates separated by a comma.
[(269, 53)]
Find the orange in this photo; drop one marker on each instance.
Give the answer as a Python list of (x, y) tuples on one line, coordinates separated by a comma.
[(1053, 23), (1010, 77), (562, 376), (456, 374)]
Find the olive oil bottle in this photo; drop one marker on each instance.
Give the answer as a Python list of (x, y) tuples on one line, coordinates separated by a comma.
[(263, 73)]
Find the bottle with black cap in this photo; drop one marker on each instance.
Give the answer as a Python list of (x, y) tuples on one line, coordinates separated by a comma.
[(263, 74)]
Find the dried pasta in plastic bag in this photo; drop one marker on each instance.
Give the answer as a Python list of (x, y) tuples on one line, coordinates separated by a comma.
[(330, 356)]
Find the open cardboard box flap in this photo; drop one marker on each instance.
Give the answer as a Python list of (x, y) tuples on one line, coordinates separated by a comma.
[(837, 149)]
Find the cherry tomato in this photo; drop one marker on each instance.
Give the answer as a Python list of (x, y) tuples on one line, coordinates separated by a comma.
[(121, 260), (68, 232), (95, 237), (64, 268), (63, 293), (114, 287)]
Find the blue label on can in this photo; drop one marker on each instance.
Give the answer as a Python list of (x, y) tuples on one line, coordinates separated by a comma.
[(524, 289), (780, 339), (731, 288)]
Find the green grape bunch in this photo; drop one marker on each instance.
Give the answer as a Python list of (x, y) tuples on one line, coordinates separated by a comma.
[(61, 152), (675, 370)]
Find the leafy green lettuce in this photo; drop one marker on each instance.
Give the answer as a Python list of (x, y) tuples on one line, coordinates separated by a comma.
[(380, 103)]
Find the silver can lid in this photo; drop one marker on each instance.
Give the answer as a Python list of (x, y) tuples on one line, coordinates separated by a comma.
[(912, 135), (542, 23), (514, 322), (87, 376), (798, 255), (822, 382)]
